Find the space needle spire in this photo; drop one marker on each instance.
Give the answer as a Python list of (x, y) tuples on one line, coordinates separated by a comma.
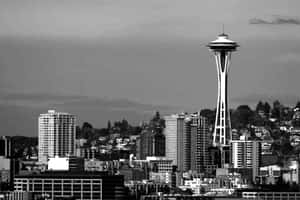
[(222, 48)]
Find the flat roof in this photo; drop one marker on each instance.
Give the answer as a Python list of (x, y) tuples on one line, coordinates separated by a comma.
[(64, 174)]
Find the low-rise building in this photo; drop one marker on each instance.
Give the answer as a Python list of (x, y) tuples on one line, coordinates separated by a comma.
[(71, 184)]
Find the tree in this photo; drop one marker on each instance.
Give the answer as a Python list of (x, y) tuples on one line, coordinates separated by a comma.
[(267, 109), (209, 114), (242, 116), (298, 105), (78, 132), (86, 130), (156, 123), (259, 106), (108, 125), (276, 111), (156, 116), (86, 125)]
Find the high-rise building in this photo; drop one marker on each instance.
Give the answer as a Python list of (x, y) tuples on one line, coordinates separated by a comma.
[(159, 144), (246, 154), (174, 131), (200, 143), (144, 145), (56, 135), (188, 141), (151, 143), (222, 48), (185, 144), (5, 146)]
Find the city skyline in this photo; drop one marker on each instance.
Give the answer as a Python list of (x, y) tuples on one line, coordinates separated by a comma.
[(108, 50), (149, 100)]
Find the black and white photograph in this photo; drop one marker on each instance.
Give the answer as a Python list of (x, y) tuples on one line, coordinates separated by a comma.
[(149, 100)]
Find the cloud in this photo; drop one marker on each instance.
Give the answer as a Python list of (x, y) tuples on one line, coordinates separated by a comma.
[(24, 108), (276, 20), (43, 100)]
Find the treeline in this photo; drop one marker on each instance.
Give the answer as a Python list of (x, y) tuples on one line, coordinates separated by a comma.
[(243, 115), (87, 131)]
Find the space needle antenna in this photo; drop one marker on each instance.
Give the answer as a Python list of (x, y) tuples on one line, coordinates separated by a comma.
[(223, 29)]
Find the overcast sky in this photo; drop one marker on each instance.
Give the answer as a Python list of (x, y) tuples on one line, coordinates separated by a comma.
[(147, 51)]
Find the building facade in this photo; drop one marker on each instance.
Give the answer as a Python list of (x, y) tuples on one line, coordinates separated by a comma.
[(188, 141), (56, 135), (200, 143), (151, 143), (174, 130), (246, 154), (71, 185)]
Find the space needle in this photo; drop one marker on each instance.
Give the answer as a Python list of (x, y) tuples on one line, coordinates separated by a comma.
[(222, 48)]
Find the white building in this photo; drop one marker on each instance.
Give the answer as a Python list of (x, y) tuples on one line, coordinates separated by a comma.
[(58, 164), (246, 154), (56, 135), (159, 164), (174, 134)]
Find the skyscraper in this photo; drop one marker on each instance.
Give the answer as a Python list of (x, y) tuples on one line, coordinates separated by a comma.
[(56, 135), (222, 48), (159, 144), (174, 130), (187, 141), (246, 155), (200, 143), (144, 147), (151, 143)]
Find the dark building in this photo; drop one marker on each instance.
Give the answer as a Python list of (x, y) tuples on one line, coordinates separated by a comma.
[(55, 185), (5, 146), (151, 143), (134, 174), (159, 144), (200, 143), (145, 145), (76, 164), (215, 156)]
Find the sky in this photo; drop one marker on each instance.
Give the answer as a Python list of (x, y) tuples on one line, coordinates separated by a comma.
[(112, 59)]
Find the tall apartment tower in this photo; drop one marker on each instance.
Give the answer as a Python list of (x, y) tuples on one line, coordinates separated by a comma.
[(187, 141), (222, 48), (200, 143), (56, 135), (174, 133), (246, 155)]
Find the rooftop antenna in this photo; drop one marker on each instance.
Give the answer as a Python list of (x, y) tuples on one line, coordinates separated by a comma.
[(223, 29)]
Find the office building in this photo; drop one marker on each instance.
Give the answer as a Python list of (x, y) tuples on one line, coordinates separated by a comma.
[(56, 135), (185, 146), (175, 139), (150, 143), (200, 143), (159, 144), (222, 49), (54, 185), (188, 142), (246, 155)]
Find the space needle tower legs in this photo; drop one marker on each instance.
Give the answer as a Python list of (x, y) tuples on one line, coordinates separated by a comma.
[(222, 49)]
